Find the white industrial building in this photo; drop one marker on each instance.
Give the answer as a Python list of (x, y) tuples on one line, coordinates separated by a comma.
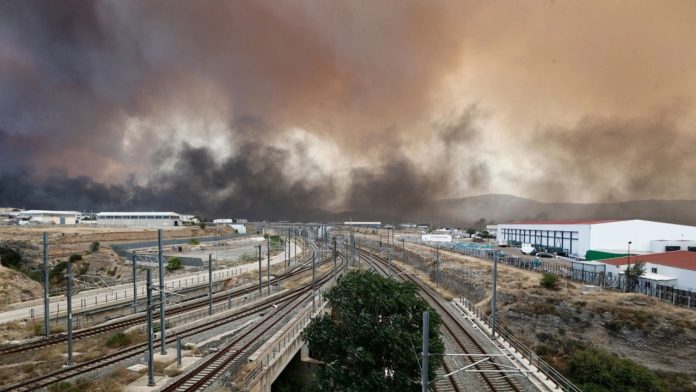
[(577, 237), (48, 217), (676, 269), (139, 219)]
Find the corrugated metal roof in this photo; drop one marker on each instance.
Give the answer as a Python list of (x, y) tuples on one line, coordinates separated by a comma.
[(564, 222), (48, 212), (677, 259), (137, 213)]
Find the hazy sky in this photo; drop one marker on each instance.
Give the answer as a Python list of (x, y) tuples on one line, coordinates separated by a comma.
[(275, 105)]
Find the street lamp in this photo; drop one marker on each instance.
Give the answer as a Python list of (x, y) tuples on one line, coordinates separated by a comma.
[(628, 269)]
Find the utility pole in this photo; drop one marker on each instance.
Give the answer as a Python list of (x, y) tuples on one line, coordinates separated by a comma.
[(313, 281), (47, 327), (135, 287), (69, 277), (426, 351), (495, 289), (160, 256), (268, 264), (150, 344), (403, 250), (437, 266), (390, 256), (260, 291), (210, 284)]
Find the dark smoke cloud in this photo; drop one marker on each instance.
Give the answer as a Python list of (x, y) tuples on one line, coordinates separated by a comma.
[(617, 159), (198, 106)]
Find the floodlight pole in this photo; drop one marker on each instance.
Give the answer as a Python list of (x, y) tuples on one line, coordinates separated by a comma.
[(160, 256), (268, 264), (47, 326)]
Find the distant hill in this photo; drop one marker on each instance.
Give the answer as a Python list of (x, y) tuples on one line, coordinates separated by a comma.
[(504, 208)]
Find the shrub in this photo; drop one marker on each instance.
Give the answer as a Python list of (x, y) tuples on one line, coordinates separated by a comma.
[(595, 369), (194, 241), (156, 326), (549, 281), (174, 264), (94, 247), (75, 257), (201, 225), (56, 273), (118, 340), (9, 257)]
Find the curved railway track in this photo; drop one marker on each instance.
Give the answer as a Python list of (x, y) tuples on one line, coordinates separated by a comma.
[(453, 327), (191, 305), (111, 359)]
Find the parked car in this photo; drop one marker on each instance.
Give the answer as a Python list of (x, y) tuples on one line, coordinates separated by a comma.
[(528, 249), (545, 254)]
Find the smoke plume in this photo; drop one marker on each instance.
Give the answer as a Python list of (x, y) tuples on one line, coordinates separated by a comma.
[(278, 108)]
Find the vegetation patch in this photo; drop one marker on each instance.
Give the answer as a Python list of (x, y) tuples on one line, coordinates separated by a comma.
[(368, 341), (118, 339), (10, 258), (174, 264), (595, 369), (549, 281)]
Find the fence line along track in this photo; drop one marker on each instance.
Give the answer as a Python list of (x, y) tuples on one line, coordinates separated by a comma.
[(456, 331), (88, 366), (194, 304)]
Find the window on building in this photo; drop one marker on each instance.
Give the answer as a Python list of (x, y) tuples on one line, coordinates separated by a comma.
[(653, 270), (672, 248)]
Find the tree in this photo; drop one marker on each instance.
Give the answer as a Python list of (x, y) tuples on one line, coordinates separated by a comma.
[(549, 281), (471, 231), (202, 225), (174, 264), (75, 257), (94, 247), (372, 339), (633, 273), (10, 257)]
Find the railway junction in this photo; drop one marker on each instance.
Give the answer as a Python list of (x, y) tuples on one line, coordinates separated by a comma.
[(239, 329)]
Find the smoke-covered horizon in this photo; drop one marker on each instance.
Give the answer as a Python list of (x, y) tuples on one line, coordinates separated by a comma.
[(275, 108)]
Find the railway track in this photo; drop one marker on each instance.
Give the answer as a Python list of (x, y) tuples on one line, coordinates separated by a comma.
[(192, 305), (491, 373), (82, 368), (204, 374)]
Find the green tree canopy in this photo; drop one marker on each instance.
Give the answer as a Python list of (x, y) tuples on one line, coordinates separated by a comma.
[(372, 341)]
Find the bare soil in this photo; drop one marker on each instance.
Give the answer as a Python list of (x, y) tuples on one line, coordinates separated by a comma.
[(656, 334)]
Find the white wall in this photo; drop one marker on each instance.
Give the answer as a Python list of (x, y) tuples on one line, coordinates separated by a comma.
[(139, 222), (686, 279), (615, 235), (580, 247)]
